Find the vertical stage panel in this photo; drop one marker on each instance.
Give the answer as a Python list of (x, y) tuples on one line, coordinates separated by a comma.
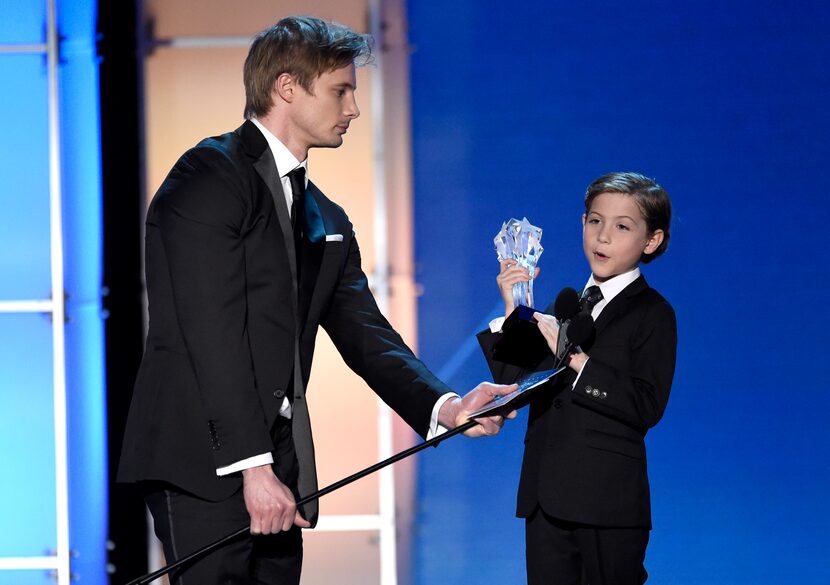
[(27, 437), (21, 22), (24, 178), (50, 231)]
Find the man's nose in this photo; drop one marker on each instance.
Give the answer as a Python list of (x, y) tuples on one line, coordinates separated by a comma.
[(351, 110)]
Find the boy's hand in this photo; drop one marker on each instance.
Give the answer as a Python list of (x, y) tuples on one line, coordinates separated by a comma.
[(511, 273), (550, 329)]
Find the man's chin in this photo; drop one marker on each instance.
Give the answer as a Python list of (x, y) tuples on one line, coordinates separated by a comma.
[(333, 142)]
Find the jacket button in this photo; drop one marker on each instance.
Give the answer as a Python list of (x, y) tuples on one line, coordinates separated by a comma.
[(603, 395), (279, 393), (595, 393), (557, 404)]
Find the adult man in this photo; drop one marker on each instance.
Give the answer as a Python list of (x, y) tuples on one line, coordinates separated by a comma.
[(244, 259)]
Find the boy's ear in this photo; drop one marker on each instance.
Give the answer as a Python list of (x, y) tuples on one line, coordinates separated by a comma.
[(653, 242), (584, 218)]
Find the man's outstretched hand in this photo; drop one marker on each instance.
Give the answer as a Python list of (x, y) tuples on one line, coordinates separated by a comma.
[(454, 412)]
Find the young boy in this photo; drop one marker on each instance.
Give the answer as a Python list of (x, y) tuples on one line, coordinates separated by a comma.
[(584, 489)]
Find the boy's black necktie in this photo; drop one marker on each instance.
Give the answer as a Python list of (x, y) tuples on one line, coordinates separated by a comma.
[(590, 297), (297, 180)]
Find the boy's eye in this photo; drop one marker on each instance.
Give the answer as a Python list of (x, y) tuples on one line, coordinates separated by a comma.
[(593, 220), (622, 226)]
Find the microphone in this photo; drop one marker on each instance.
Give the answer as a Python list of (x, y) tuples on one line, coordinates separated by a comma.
[(577, 331), (565, 307), (566, 304)]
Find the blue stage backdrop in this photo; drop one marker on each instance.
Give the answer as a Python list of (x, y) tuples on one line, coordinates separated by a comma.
[(516, 108), (28, 511)]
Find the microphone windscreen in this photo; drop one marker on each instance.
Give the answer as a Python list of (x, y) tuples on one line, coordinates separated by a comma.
[(566, 304), (580, 329)]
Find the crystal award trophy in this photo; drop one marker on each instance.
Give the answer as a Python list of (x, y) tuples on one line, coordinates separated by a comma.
[(521, 344), (522, 242)]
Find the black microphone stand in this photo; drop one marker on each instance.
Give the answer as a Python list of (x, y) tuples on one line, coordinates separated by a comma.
[(434, 442)]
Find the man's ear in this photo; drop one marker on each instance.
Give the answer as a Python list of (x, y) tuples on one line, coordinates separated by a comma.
[(285, 87), (653, 242)]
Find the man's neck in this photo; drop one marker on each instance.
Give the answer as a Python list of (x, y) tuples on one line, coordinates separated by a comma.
[(279, 127)]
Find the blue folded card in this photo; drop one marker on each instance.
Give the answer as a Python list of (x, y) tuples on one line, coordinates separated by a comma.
[(526, 384)]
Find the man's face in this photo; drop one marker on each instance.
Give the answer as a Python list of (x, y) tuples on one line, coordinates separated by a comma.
[(321, 117)]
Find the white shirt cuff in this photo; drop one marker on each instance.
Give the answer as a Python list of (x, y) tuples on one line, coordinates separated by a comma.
[(579, 373), (495, 325), (255, 461), (434, 428)]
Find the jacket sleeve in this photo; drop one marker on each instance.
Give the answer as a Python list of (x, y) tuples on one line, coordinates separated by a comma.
[(374, 350), (503, 373), (638, 394), (199, 214)]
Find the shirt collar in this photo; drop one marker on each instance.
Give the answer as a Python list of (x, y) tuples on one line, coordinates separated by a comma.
[(614, 286), (286, 162)]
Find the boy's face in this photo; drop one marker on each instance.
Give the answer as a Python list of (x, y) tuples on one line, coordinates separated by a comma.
[(322, 116), (615, 235)]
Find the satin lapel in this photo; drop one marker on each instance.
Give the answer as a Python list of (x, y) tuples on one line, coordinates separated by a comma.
[(619, 303), (267, 169), (314, 243)]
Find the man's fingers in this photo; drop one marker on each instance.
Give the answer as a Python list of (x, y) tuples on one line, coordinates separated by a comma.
[(513, 414), (256, 525), (496, 390), (288, 521), (300, 521)]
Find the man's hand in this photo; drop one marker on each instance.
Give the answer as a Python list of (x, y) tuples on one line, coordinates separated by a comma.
[(269, 502), (454, 411)]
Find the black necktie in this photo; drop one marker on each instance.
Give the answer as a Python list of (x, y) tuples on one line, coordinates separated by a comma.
[(297, 179), (590, 297)]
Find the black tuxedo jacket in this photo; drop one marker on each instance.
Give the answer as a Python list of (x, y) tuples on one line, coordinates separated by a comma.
[(231, 314), (585, 456)]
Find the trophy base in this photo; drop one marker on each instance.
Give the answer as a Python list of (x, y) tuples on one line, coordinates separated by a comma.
[(521, 343)]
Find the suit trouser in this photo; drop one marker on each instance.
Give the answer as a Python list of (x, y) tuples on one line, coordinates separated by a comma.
[(567, 553), (185, 523)]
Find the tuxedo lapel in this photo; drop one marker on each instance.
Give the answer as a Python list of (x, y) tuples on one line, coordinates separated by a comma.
[(265, 166), (618, 304)]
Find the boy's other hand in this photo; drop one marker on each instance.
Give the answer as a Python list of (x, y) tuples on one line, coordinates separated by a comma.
[(510, 273), (550, 329)]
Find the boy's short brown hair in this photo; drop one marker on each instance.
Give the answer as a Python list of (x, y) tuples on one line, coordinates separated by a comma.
[(302, 46), (651, 198)]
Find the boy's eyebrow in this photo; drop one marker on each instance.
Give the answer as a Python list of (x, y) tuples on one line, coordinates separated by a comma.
[(614, 217), (345, 84)]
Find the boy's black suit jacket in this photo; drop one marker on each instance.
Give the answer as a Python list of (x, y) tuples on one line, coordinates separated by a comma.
[(585, 456), (230, 317)]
